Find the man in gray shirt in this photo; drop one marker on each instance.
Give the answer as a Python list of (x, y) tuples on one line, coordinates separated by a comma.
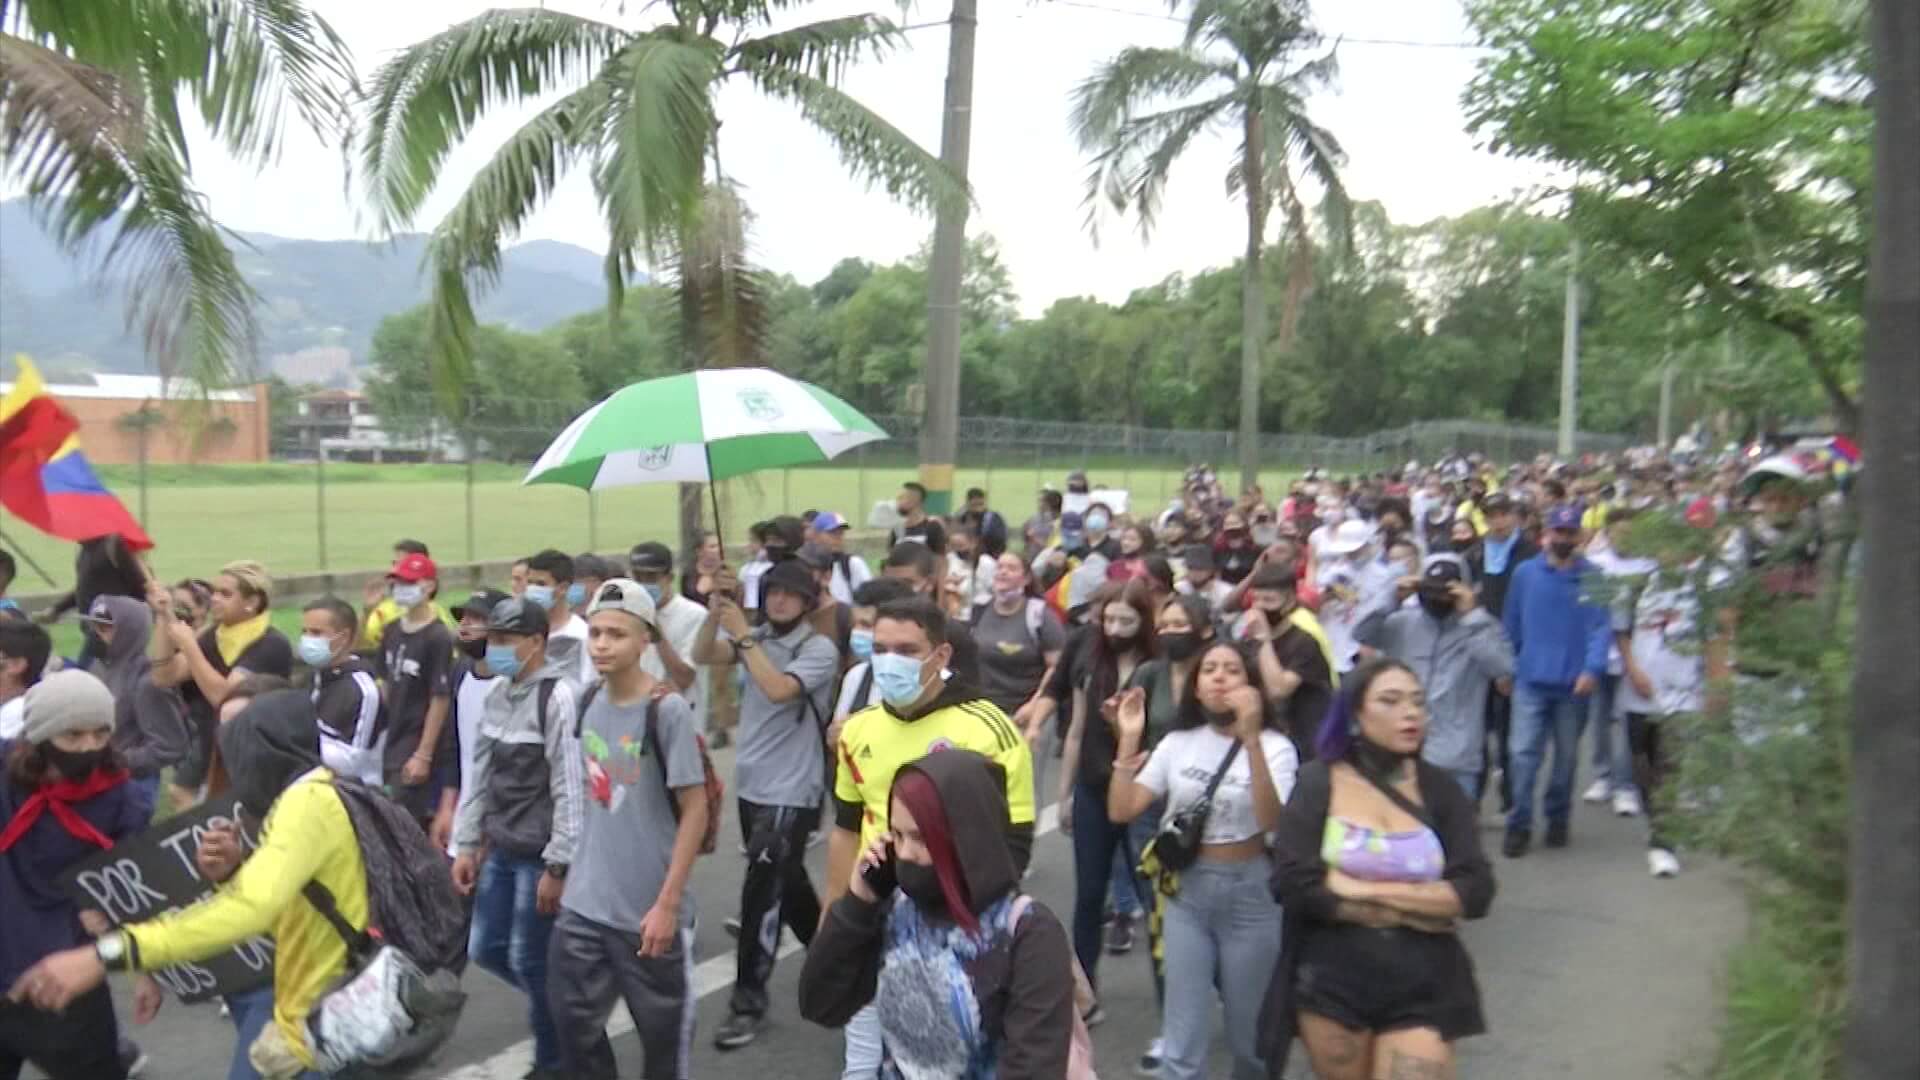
[(626, 925), (779, 771)]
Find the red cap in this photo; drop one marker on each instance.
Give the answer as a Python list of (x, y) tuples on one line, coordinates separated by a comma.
[(413, 567)]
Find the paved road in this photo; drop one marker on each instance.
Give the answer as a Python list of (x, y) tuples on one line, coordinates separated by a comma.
[(1590, 969)]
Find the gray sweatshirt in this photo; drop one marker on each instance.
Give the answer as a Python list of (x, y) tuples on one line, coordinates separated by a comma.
[(524, 798), (1455, 658)]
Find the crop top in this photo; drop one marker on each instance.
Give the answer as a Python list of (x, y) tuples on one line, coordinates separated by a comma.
[(1375, 855)]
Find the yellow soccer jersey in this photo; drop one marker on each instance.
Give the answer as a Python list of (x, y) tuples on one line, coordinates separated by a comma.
[(875, 743)]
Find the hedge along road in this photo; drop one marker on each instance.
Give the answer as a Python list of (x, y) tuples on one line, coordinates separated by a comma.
[(198, 527)]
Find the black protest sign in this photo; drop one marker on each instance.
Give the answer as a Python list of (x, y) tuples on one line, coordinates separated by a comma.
[(153, 874)]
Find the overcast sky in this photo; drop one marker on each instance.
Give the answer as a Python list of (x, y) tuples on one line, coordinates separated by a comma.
[(1396, 109)]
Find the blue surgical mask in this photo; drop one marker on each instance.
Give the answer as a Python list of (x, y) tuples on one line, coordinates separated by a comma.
[(861, 642), (409, 596), (1096, 522), (897, 678), (576, 595), (315, 650), (655, 591), (504, 660), (542, 595)]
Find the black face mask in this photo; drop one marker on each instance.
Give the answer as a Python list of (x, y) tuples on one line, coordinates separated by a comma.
[(1375, 760), (1180, 645), (1437, 601), (75, 765), (1121, 644), (475, 649), (1276, 615), (922, 885), (1562, 549)]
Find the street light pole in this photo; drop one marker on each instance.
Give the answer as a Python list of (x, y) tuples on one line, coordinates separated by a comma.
[(940, 434), (1570, 356)]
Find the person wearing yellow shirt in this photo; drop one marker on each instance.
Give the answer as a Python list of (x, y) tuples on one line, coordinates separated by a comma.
[(272, 752), (382, 609), (922, 710)]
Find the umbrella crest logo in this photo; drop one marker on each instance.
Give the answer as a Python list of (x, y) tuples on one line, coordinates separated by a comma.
[(760, 405), (654, 458)]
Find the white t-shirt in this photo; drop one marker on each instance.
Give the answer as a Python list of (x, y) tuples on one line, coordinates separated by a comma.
[(468, 704), (974, 582), (1622, 570), (679, 623), (13, 718), (1665, 646), (1371, 585), (848, 578), (1184, 761), (850, 685)]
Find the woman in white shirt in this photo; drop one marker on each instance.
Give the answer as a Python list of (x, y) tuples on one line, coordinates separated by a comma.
[(1220, 926)]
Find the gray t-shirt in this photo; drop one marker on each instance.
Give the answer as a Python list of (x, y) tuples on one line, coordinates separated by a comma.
[(626, 840), (780, 758), (1012, 655)]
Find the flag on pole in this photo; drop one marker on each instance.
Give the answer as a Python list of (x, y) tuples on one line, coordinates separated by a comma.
[(44, 478)]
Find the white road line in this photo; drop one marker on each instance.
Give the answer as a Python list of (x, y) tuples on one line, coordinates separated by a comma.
[(709, 977)]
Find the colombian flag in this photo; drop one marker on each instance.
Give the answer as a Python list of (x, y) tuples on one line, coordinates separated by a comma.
[(44, 478)]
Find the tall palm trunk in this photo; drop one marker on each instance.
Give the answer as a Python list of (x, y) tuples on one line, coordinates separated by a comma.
[(1883, 989), (1253, 298)]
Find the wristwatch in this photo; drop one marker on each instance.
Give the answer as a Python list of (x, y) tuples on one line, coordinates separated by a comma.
[(745, 644), (112, 950), (558, 870)]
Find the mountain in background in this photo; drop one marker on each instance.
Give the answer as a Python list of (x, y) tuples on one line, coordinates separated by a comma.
[(320, 300)]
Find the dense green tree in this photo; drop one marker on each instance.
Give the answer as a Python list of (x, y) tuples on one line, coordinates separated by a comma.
[(93, 93), (1246, 57)]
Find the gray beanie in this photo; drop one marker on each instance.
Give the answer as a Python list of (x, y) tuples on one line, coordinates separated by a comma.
[(68, 700)]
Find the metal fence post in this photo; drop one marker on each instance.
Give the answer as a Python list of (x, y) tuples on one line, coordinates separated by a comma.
[(467, 442), (320, 500), (593, 520)]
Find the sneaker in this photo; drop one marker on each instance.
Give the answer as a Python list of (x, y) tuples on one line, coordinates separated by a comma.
[(1661, 863), (739, 1030), (133, 1059), (1516, 844), (732, 925), (538, 1073), (1626, 803), (1598, 791), (1095, 1016), (1120, 935), (1149, 1063), (1556, 834)]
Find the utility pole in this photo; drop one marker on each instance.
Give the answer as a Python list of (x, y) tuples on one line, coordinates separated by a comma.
[(940, 433), (1570, 357), (1666, 404)]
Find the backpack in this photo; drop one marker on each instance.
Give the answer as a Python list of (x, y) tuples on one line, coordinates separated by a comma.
[(1080, 1046), (716, 788), (1036, 616), (400, 998)]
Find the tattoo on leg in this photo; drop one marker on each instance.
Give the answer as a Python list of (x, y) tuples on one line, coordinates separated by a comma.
[(1407, 1067)]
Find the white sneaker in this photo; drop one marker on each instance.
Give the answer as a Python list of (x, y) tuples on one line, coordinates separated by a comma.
[(1598, 791), (1661, 863), (1150, 1062), (1626, 803)]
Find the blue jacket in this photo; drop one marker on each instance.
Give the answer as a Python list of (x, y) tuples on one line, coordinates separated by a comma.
[(1556, 632), (36, 916)]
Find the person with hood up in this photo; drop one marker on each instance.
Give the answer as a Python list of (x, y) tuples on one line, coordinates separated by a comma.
[(64, 796), (922, 707), (272, 752), (150, 729), (965, 977)]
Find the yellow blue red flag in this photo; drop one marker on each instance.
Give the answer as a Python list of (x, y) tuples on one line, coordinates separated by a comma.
[(44, 478)]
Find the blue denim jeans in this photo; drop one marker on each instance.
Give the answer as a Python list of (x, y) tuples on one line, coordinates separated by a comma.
[(1095, 842), (1469, 781), (1222, 938), (1543, 714), (864, 1045), (251, 1011), (1127, 888), (509, 940), (1612, 758)]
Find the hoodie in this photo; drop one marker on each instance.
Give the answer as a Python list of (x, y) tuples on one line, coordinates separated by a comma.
[(528, 782), (877, 742), (149, 721), (1558, 634), (1020, 975)]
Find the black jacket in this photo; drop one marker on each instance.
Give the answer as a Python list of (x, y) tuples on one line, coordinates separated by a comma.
[(1493, 590), (1300, 880), (1024, 988)]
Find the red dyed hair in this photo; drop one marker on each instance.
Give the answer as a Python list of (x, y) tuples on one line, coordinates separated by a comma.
[(915, 791)]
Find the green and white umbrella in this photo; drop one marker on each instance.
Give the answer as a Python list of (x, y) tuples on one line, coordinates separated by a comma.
[(700, 427)]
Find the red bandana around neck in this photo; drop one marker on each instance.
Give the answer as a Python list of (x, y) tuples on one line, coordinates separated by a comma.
[(60, 797)]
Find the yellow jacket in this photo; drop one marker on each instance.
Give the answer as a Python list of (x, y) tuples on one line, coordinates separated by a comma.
[(389, 611), (307, 836)]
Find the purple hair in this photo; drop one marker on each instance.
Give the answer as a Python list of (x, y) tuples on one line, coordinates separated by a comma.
[(1336, 736)]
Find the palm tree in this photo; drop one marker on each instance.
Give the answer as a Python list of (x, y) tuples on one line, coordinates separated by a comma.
[(92, 94), (639, 113), (1241, 60)]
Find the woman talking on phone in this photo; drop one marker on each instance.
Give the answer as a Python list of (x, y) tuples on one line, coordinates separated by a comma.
[(971, 979)]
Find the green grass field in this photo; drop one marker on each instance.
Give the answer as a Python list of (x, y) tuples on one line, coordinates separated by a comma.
[(201, 518)]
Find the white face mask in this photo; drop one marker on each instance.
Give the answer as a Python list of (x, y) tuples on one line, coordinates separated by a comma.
[(409, 596)]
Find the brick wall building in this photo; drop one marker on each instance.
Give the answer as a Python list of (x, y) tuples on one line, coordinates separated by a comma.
[(228, 426)]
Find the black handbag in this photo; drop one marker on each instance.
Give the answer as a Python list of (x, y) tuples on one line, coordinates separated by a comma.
[(1177, 844)]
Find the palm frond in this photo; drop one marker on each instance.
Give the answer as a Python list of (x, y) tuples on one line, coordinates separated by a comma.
[(1131, 173), (870, 147), (428, 98), (822, 49), (1134, 79), (259, 56), (654, 138), (720, 295), (65, 124)]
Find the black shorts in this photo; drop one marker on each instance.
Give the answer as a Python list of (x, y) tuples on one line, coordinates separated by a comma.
[(1388, 980)]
